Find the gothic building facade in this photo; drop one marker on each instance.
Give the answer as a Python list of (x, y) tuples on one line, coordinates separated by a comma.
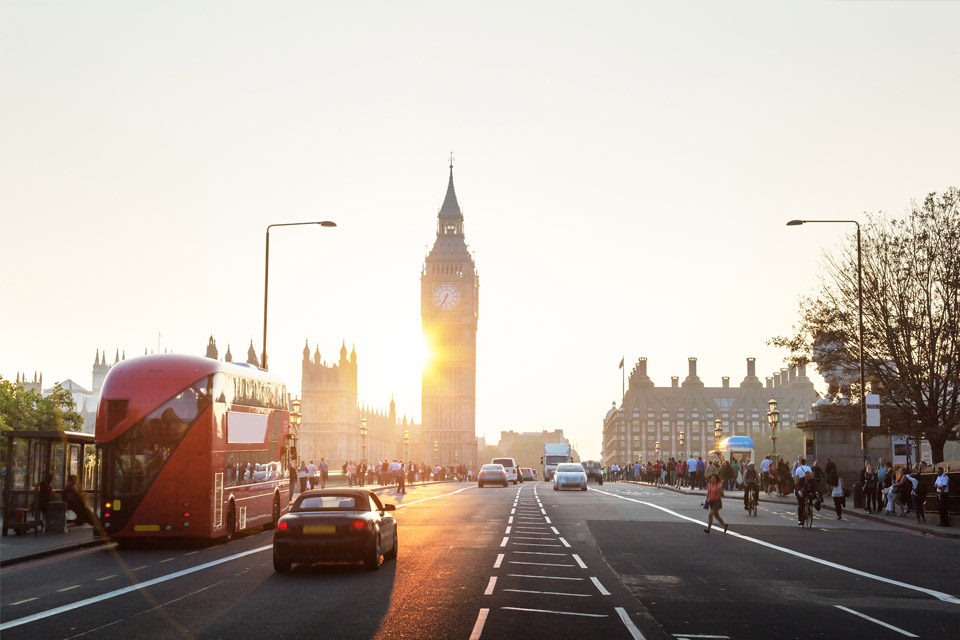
[(449, 310), (649, 414)]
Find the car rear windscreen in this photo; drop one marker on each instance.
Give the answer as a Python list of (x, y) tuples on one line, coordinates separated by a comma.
[(506, 462), (324, 503)]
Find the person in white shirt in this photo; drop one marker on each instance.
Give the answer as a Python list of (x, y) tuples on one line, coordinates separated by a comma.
[(312, 475), (765, 474), (942, 487)]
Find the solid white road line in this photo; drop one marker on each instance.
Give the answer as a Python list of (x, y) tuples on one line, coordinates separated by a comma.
[(559, 613), (490, 586), (939, 595), (527, 537), (540, 564), (442, 495), (632, 628), (119, 592), (478, 625), (540, 553), (503, 542), (579, 561), (496, 565), (564, 542), (879, 622), (600, 587), (533, 544), (521, 575), (550, 593)]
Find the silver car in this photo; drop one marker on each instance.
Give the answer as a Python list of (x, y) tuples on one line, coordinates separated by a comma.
[(570, 475)]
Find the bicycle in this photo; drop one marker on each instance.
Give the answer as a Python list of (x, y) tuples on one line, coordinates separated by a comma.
[(752, 502), (806, 506)]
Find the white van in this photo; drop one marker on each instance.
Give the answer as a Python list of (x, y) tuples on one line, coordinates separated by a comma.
[(510, 465)]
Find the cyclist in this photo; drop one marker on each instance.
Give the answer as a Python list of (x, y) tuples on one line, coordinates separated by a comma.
[(751, 485), (807, 494)]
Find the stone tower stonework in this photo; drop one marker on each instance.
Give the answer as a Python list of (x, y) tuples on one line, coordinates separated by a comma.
[(449, 309)]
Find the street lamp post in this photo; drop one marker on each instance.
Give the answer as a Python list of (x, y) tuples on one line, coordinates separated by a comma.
[(656, 449), (863, 390), (718, 434), (773, 419), (363, 439), (295, 421), (406, 445), (266, 278), (681, 440)]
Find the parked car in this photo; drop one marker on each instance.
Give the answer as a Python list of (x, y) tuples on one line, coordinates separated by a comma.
[(335, 525), (570, 475), (492, 474)]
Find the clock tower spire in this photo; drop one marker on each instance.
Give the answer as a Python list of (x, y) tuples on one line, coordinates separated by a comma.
[(449, 309)]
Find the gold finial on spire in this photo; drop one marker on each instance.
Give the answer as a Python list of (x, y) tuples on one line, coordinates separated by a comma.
[(451, 161)]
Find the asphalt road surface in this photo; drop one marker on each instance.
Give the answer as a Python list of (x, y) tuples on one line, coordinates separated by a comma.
[(618, 561)]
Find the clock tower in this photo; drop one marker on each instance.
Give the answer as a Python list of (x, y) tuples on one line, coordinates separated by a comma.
[(449, 304)]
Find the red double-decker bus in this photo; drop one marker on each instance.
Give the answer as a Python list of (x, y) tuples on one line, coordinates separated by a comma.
[(192, 447)]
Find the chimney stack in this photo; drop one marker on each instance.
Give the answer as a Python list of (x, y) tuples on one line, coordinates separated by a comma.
[(769, 382), (776, 380), (642, 366), (751, 367), (792, 372), (674, 381), (726, 382), (692, 366)]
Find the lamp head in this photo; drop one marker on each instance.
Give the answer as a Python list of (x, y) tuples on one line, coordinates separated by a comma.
[(795, 223), (327, 223)]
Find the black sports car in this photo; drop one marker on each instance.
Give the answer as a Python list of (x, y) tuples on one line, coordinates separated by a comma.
[(335, 525)]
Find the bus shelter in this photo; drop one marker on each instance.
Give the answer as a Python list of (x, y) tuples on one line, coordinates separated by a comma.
[(28, 455), (738, 448)]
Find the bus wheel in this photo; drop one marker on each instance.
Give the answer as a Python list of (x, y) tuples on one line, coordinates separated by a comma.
[(276, 514), (231, 522)]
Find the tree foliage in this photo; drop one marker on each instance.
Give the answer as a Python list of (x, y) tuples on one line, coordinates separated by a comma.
[(911, 310), (27, 410)]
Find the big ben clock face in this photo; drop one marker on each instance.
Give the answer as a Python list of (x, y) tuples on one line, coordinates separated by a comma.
[(446, 296)]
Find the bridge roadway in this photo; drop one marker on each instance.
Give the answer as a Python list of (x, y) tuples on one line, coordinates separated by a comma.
[(620, 561)]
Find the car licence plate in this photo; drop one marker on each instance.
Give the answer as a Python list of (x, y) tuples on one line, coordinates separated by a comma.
[(321, 529)]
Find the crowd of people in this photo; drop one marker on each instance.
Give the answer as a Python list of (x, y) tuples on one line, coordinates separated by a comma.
[(380, 473)]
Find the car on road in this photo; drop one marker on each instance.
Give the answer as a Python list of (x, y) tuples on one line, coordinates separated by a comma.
[(570, 475), (510, 466), (492, 474), (593, 469), (336, 525), (528, 475)]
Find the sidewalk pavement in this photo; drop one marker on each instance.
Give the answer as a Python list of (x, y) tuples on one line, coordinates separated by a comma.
[(908, 521), (20, 548)]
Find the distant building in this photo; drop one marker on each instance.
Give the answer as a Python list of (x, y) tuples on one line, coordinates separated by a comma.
[(649, 414), (331, 417)]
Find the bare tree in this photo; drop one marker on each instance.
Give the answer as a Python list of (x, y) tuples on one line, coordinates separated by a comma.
[(911, 309)]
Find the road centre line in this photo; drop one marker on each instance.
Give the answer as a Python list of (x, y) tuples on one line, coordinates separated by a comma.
[(540, 564), (565, 543), (513, 511), (9, 624), (496, 565), (478, 625), (521, 575), (125, 590), (632, 628), (490, 586), (510, 520), (13, 604), (554, 529), (939, 595), (503, 542), (879, 622), (559, 613), (599, 586), (76, 586), (550, 593), (579, 561), (547, 519), (112, 575), (508, 529), (543, 511)]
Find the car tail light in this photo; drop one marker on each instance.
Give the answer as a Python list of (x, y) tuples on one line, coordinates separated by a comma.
[(358, 525), (282, 525)]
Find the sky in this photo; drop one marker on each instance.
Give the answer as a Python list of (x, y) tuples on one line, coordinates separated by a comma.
[(625, 170)]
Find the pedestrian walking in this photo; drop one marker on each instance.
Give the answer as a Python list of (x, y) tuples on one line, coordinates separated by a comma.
[(839, 500), (324, 473), (714, 502), (942, 486), (302, 476), (311, 475), (402, 479)]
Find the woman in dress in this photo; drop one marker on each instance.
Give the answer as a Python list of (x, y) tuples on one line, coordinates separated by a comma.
[(715, 502)]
